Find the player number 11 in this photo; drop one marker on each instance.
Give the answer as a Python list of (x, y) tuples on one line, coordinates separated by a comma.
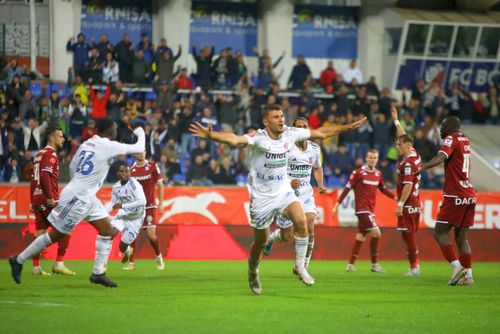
[(466, 166)]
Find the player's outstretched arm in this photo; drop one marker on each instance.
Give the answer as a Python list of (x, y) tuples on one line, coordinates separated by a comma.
[(200, 131), (328, 131), (436, 161), (400, 131), (140, 145)]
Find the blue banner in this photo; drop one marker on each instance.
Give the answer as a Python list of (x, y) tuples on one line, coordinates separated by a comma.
[(224, 24), (115, 18), (325, 31), (473, 76)]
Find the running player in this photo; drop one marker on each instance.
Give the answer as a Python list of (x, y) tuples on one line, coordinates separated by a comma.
[(365, 181), (44, 191), (270, 191), (128, 197), (459, 203), (78, 200), (304, 157), (149, 176), (408, 182)]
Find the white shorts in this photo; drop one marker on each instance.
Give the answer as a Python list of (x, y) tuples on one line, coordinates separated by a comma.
[(129, 228), (263, 210), (71, 210), (308, 205)]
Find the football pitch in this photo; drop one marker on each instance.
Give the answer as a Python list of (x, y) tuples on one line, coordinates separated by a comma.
[(213, 297)]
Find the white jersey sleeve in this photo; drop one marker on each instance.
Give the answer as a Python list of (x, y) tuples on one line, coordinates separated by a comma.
[(137, 193), (138, 147), (114, 198), (298, 134)]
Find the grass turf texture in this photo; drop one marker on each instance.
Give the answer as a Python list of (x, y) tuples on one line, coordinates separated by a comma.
[(213, 297)]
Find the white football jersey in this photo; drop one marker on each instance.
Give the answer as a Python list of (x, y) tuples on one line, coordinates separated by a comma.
[(91, 162), (131, 196), (269, 160), (300, 165)]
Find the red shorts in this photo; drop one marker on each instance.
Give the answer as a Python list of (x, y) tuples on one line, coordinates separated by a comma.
[(456, 211), (41, 214), (366, 222), (150, 219), (410, 220)]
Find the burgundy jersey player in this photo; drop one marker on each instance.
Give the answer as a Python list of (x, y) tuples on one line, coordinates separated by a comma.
[(459, 203), (44, 195), (365, 182), (149, 176)]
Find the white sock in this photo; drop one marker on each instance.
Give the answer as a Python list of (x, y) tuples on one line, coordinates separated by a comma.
[(159, 257), (310, 247), (102, 250), (455, 264), (468, 273), (275, 236), (38, 245), (59, 264), (300, 252)]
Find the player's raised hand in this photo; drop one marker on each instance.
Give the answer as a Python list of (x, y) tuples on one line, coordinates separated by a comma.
[(198, 130), (356, 124), (394, 113), (322, 189)]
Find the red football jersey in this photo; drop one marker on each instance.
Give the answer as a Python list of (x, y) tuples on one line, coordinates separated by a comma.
[(365, 183), (45, 162), (147, 175), (456, 147), (406, 170)]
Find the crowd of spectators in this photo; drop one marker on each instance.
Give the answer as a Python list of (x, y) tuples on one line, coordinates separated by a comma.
[(101, 74)]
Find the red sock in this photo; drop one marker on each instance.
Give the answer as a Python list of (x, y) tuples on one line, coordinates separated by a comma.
[(465, 260), (355, 251), (133, 245), (449, 252), (411, 248), (374, 249), (36, 260), (62, 246)]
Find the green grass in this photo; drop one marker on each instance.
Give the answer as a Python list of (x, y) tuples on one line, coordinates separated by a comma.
[(213, 297)]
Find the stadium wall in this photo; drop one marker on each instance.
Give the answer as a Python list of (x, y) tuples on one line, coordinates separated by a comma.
[(212, 223)]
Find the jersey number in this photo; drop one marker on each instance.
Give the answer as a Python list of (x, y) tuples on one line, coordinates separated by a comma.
[(85, 164), (36, 173), (466, 166)]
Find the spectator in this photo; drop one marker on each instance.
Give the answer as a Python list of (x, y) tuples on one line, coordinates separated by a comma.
[(146, 47), (15, 90), (103, 47), (80, 51), (172, 167), (372, 88), (203, 149), (99, 102), (125, 58), (353, 72), (203, 65), (93, 67), (387, 173), (141, 71), (110, 70), (78, 117), (382, 138), (182, 80), (12, 172), (227, 112), (79, 89), (33, 135), (220, 69), (493, 110), (162, 48), (301, 74), (164, 95), (341, 160), (115, 107), (197, 174), (12, 69), (165, 64), (327, 77)]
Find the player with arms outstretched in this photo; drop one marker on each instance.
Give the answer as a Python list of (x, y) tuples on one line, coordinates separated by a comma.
[(149, 176), (270, 191), (128, 197), (44, 191), (304, 158), (78, 200), (408, 184), (365, 181), (459, 203)]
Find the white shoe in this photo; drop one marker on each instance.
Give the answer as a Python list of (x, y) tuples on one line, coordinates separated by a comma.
[(413, 273), (350, 268), (305, 277), (38, 271), (160, 265), (456, 274), (377, 268)]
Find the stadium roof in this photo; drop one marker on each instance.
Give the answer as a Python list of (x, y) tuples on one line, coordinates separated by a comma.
[(490, 17)]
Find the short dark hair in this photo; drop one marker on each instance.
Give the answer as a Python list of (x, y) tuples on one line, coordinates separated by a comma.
[(51, 129), (104, 125), (406, 139), (268, 108), (300, 119)]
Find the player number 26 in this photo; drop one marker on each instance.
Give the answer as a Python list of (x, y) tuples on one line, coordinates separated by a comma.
[(85, 164)]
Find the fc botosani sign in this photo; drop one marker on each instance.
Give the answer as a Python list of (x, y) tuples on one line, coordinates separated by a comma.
[(474, 76)]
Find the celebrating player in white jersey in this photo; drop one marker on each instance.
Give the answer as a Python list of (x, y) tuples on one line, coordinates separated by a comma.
[(304, 158), (128, 196), (270, 191), (78, 200)]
